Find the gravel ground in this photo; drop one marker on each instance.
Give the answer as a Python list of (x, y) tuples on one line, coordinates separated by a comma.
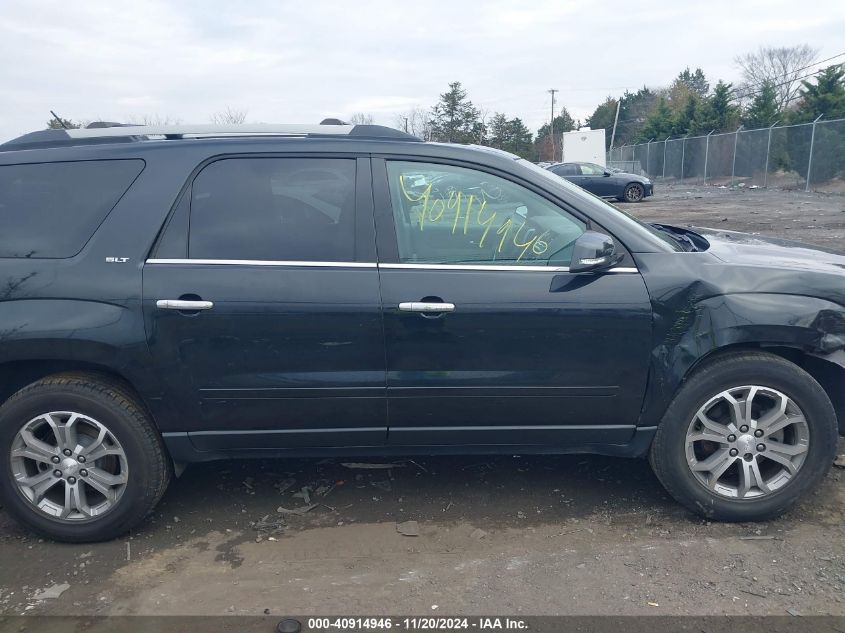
[(807, 217), (501, 535)]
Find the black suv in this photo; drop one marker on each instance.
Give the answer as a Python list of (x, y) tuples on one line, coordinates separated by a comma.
[(172, 295)]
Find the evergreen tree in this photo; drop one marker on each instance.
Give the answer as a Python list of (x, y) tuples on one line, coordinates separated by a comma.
[(603, 117), (826, 96), (695, 81), (717, 112), (65, 124), (454, 119), (498, 130), (547, 148), (510, 135), (685, 121), (660, 123), (518, 138), (763, 110)]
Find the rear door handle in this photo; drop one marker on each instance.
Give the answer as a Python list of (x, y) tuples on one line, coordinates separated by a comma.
[(181, 304), (425, 306)]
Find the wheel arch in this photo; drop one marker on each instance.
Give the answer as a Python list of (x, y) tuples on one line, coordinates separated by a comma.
[(830, 375), (806, 331), (15, 375)]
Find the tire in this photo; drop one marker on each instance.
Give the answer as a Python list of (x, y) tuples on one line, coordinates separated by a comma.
[(634, 192), (132, 470), (675, 451)]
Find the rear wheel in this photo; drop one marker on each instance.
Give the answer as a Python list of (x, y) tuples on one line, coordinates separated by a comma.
[(634, 192), (746, 437), (80, 458)]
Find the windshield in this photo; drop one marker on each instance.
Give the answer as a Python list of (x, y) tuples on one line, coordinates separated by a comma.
[(587, 196)]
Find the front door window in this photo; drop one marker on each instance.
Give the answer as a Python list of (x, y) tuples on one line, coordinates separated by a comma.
[(454, 215)]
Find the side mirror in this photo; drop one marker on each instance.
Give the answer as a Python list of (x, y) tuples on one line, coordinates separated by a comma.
[(593, 251), (607, 173)]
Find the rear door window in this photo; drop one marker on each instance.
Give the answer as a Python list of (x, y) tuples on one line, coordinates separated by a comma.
[(53, 209), (567, 170), (274, 209)]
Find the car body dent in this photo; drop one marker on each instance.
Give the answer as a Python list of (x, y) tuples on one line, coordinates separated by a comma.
[(743, 291)]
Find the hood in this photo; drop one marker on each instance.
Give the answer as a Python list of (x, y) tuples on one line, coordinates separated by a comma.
[(753, 250), (628, 176)]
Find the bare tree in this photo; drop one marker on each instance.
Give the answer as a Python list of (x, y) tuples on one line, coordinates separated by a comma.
[(781, 66), (483, 115), (361, 118), (416, 121), (229, 116), (155, 119)]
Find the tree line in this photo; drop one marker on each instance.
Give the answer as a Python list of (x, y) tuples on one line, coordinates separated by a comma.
[(776, 86), (455, 119)]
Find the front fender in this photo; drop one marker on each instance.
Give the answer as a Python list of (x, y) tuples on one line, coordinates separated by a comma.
[(694, 330)]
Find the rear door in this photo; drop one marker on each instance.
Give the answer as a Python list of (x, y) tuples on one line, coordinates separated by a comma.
[(570, 171), (262, 305), (490, 339)]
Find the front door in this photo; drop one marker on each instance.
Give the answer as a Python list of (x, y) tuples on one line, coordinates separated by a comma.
[(594, 180), (490, 339), (262, 305)]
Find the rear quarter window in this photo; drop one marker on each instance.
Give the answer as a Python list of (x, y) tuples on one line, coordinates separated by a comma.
[(52, 209)]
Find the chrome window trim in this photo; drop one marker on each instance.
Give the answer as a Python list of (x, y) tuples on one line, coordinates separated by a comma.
[(482, 267), (548, 269), (305, 264), (263, 262)]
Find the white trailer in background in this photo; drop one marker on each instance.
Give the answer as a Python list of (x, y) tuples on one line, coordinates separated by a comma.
[(584, 146)]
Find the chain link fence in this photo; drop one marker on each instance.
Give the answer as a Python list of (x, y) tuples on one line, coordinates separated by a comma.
[(809, 156)]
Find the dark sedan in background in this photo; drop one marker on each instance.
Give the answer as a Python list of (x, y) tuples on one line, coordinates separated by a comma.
[(604, 182)]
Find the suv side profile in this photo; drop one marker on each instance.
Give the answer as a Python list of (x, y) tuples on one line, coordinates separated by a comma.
[(171, 295)]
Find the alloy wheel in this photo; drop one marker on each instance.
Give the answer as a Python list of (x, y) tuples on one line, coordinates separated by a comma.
[(69, 466), (747, 442), (634, 193)]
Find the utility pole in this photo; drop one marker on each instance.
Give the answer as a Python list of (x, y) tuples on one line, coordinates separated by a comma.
[(615, 121), (406, 125), (552, 122)]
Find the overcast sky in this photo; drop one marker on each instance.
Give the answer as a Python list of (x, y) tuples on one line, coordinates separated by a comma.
[(299, 61)]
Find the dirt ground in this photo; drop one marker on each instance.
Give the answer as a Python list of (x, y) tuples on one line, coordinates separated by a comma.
[(502, 535), (814, 218)]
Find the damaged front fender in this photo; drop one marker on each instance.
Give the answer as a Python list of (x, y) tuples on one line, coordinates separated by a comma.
[(724, 307)]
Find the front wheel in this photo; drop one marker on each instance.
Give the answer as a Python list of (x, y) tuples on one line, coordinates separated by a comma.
[(746, 437), (79, 458), (634, 192)]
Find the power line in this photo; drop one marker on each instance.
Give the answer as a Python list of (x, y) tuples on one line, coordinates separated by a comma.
[(751, 94), (798, 70), (793, 80)]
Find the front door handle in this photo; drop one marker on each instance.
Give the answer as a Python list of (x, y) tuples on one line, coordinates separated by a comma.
[(425, 306), (181, 304)]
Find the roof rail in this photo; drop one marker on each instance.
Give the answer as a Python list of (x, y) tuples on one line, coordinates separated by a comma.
[(122, 133), (182, 131)]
